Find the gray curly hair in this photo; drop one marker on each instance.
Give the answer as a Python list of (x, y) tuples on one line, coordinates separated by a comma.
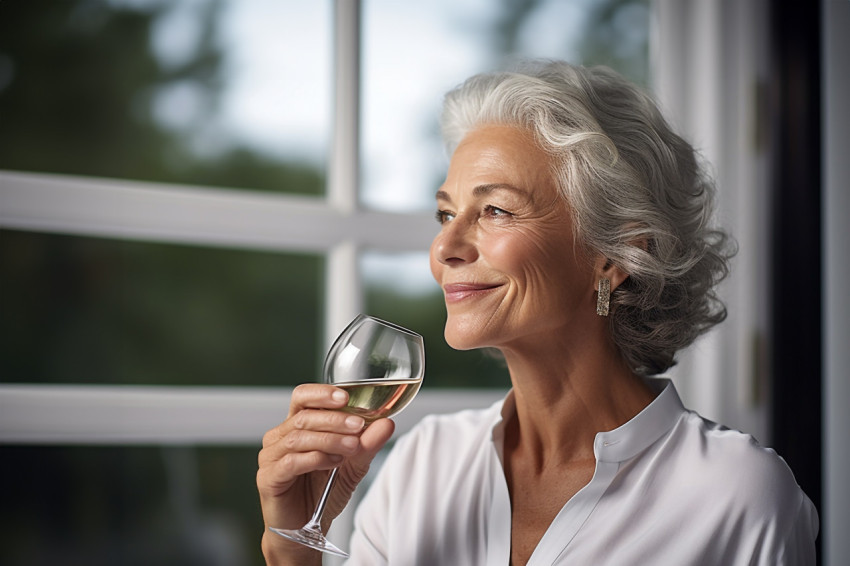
[(637, 191)]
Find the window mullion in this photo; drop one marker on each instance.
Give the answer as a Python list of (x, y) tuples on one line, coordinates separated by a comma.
[(342, 281), (344, 170)]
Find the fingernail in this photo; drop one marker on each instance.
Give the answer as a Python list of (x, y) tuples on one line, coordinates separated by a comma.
[(350, 441), (354, 423), (335, 458), (339, 396)]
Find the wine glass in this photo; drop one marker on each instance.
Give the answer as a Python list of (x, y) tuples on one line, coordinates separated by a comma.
[(381, 365)]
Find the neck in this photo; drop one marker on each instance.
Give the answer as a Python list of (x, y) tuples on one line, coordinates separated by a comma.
[(563, 401)]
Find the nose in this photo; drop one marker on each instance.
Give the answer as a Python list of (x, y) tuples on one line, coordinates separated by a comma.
[(455, 244)]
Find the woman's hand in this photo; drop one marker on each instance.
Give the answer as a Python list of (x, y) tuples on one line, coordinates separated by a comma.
[(295, 461)]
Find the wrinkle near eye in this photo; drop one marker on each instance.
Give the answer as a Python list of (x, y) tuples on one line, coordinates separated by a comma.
[(497, 213)]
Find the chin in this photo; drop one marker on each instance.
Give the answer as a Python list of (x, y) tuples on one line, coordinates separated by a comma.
[(457, 343), (465, 334)]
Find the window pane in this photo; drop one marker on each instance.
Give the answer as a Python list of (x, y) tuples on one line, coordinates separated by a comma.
[(224, 93), (407, 72), (101, 506), (399, 288), (89, 310)]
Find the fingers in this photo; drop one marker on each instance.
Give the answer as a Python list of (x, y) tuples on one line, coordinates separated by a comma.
[(316, 396), (331, 432), (305, 412), (277, 476), (303, 451), (314, 436), (343, 442), (317, 437)]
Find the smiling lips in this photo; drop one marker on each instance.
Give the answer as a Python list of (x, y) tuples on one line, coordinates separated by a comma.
[(459, 291)]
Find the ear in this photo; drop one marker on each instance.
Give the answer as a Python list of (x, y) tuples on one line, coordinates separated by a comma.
[(605, 268)]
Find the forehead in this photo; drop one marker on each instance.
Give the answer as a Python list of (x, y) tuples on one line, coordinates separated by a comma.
[(498, 154)]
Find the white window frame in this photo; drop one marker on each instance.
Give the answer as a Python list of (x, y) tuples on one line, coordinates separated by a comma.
[(333, 226)]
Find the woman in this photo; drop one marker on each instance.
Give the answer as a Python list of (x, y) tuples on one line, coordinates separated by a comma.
[(575, 239)]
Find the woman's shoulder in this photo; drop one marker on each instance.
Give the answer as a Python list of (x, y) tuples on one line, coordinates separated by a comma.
[(751, 476), (727, 449), (747, 488)]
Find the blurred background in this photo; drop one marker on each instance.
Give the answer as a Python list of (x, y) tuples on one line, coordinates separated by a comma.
[(197, 195)]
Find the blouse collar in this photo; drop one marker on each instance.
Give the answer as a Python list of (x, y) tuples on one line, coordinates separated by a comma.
[(627, 440), (653, 422)]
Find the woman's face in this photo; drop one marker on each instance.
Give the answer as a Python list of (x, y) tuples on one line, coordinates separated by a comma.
[(505, 256)]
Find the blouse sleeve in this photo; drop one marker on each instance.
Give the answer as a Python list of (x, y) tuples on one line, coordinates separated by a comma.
[(799, 543), (783, 521)]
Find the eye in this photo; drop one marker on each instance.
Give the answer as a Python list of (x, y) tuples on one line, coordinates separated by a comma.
[(496, 212), (444, 216)]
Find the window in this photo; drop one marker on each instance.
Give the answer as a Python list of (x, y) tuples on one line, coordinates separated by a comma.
[(195, 196)]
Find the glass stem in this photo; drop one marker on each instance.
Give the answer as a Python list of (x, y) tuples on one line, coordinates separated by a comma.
[(316, 520)]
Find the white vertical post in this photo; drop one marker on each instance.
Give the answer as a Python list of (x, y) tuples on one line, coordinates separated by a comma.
[(343, 293), (344, 296), (344, 170)]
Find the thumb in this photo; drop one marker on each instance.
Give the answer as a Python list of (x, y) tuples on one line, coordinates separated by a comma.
[(375, 437), (372, 440)]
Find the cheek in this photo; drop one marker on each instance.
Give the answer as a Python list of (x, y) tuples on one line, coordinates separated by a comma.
[(519, 255), (545, 267)]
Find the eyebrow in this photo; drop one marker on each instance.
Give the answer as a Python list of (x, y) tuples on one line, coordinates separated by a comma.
[(486, 189)]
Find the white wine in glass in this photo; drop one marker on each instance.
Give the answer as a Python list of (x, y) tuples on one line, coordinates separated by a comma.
[(377, 399), (381, 365)]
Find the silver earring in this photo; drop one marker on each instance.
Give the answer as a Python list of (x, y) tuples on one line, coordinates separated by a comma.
[(603, 298)]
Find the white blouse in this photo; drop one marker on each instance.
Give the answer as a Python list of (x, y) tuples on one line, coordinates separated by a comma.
[(669, 488)]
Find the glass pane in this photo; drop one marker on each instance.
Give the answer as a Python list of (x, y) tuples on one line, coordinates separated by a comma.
[(101, 506), (89, 310), (225, 93), (407, 72), (399, 288)]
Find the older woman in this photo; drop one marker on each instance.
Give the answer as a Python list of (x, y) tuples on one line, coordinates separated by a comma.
[(575, 238)]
